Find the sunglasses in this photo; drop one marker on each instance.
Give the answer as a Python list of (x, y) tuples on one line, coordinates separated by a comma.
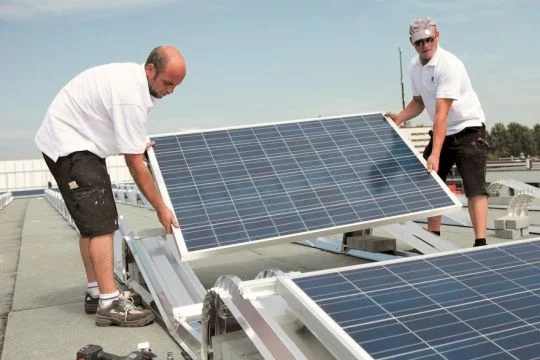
[(421, 42)]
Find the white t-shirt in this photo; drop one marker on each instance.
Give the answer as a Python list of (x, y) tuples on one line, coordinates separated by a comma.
[(103, 110), (445, 77)]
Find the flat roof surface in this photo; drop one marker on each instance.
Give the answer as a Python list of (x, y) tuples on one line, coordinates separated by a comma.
[(42, 281)]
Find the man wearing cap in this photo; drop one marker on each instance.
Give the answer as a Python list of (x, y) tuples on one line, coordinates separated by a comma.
[(441, 86)]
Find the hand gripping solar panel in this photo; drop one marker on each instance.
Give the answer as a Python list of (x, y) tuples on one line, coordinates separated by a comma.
[(481, 303), (291, 181)]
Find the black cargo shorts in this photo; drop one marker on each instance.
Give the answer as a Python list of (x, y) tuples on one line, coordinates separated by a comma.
[(85, 185), (468, 151)]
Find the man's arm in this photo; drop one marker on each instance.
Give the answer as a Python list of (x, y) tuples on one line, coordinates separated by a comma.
[(412, 110), (144, 180), (442, 106)]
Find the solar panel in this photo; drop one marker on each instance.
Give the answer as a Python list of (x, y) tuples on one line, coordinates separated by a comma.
[(481, 303), (291, 181)]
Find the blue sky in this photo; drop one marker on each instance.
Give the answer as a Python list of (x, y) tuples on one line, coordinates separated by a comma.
[(257, 61)]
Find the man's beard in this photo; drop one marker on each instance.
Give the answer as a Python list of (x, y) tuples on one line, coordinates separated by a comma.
[(154, 93)]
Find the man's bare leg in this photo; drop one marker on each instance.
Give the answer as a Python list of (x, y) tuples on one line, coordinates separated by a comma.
[(478, 210), (111, 311), (101, 255), (84, 246)]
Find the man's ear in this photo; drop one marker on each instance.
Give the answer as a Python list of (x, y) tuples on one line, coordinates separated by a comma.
[(149, 68)]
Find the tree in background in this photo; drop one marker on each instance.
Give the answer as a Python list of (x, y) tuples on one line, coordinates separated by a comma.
[(498, 142), (536, 134), (521, 139), (513, 140)]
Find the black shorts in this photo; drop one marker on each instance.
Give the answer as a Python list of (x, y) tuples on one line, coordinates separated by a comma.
[(85, 185), (468, 151)]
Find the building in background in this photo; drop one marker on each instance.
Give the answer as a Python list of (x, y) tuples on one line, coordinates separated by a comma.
[(28, 176), (418, 136)]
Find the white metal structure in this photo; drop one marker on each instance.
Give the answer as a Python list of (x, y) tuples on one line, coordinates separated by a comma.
[(56, 200), (130, 194), (419, 238), (5, 199), (517, 185), (525, 194)]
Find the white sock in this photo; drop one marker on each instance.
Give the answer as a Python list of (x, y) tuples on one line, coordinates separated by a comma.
[(106, 300), (93, 289)]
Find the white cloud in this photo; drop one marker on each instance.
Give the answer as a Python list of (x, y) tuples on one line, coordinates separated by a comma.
[(26, 9)]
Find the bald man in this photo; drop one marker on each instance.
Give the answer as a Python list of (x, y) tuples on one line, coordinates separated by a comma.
[(103, 111)]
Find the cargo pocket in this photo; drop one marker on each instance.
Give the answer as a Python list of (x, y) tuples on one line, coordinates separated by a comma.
[(91, 208)]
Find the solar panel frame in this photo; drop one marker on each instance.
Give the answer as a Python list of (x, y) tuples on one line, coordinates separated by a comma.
[(310, 234), (343, 346)]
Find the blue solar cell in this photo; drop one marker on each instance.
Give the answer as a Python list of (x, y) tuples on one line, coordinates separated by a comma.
[(386, 338), (449, 292), (475, 348), (530, 351), (423, 308), (321, 173), (426, 354), (520, 338), (443, 333)]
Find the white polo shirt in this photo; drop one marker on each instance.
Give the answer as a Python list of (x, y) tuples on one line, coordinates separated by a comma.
[(103, 110), (445, 77)]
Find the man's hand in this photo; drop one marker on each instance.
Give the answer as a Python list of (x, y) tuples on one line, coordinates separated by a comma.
[(433, 163), (149, 145), (392, 116), (143, 178), (412, 110), (167, 219)]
